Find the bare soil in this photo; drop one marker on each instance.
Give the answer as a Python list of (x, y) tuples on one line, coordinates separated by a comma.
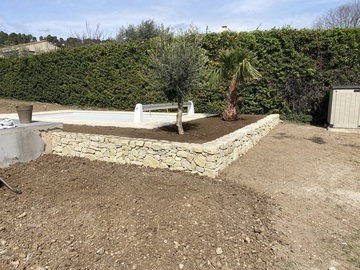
[(292, 202), (196, 131)]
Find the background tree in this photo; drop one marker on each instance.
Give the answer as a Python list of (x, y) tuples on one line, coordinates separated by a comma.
[(73, 42), (235, 67), (345, 16), (179, 63), (14, 39), (52, 39), (145, 30), (91, 36), (3, 38)]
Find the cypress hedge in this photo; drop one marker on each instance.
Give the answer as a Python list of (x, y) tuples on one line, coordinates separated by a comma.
[(299, 67)]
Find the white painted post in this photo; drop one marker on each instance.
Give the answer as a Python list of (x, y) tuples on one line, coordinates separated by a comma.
[(138, 113), (191, 109)]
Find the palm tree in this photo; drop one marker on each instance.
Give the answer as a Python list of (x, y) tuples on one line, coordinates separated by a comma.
[(234, 67)]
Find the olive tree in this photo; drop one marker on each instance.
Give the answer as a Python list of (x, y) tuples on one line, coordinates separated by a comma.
[(344, 16), (179, 64)]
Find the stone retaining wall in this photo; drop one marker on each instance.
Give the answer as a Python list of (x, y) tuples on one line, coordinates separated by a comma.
[(206, 159)]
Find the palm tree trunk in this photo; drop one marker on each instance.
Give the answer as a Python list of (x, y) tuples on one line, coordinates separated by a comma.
[(179, 116), (231, 110)]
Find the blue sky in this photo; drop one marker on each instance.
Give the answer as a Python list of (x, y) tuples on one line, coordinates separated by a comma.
[(62, 18)]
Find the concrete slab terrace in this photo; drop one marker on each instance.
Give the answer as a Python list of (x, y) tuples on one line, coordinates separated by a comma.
[(24, 142)]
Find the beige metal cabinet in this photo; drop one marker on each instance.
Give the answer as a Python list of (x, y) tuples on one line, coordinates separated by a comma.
[(344, 107)]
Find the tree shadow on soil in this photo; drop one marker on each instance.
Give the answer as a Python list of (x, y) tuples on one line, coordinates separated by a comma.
[(191, 125), (174, 129)]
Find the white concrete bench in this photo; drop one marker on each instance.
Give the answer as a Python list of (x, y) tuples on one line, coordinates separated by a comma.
[(141, 108)]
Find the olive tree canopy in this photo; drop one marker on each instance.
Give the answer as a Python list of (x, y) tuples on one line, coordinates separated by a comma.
[(179, 63)]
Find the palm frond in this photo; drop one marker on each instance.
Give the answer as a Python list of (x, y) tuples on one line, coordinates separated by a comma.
[(246, 72), (215, 78), (235, 65)]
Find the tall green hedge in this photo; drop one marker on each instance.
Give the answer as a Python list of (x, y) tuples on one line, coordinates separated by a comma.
[(112, 76), (299, 67)]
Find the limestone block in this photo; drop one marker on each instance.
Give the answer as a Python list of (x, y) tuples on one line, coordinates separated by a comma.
[(106, 153), (94, 143), (190, 157), (193, 165), (210, 173), (91, 157), (211, 149), (169, 161), (177, 164), (148, 144), (156, 146), (149, 161), (176, 168), (135, 152), (183, 146), (114, 141), (200, 169), (124, 141), (94, 138), (182, 153), (210, 165), (200, 160), (163, 165), (132, 144), (142, 153), (88, 151), (166, 146), (57, 149), (66, 150), (135, 162), (197, 148), (139, 143), (55, 139), (211, 158), (64, 140), (161, 153), (186, 164)]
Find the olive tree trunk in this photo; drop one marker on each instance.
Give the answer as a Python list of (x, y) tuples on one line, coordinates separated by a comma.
[(179, 116)]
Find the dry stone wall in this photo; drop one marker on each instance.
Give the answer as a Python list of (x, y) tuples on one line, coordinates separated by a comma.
[(206, 159)]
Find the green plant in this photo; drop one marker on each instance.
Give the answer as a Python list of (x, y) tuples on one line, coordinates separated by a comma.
[(297, 118), (234, 68), (298, 69), (179, 64)]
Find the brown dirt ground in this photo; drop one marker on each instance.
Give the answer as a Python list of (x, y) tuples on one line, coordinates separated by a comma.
[(292, 202), (196, 131)]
